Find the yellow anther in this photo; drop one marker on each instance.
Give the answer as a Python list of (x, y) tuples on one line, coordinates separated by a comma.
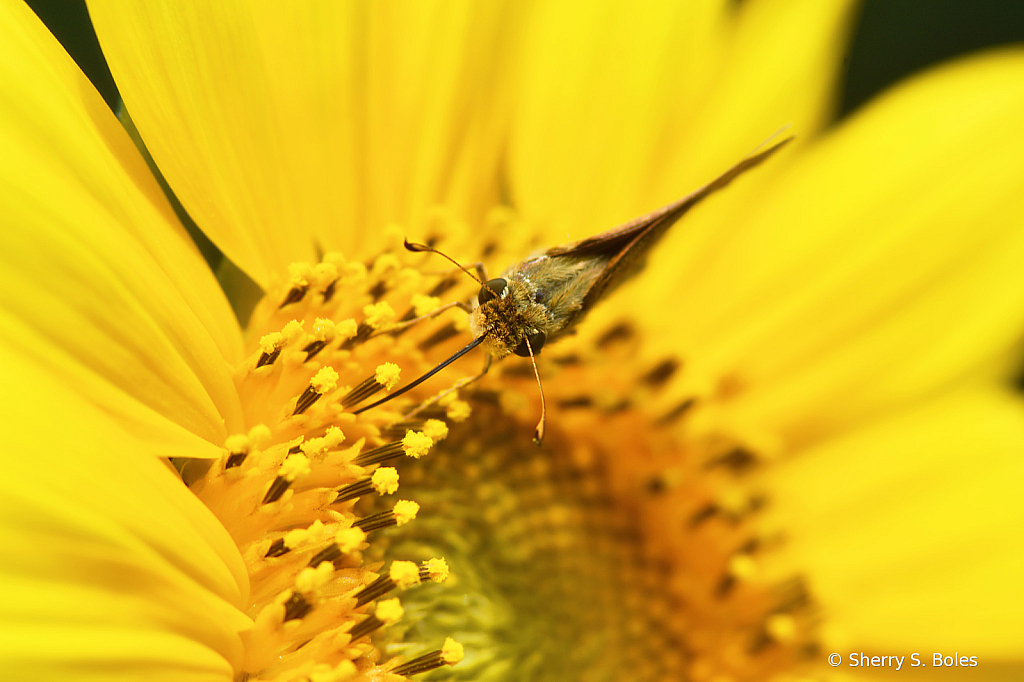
[(325, 380), (259, 435), (389, 611), (437, 569), (452, 652), (299, 274), (237, 443), (350, 539), (405, 511), (386, 263), (379, 315), (315, 534), (435, 429), (313, 446), (335, 258), (345, 670), (459, 411), (416, 444), (346, 329), (272, 342), (409, 278), (781, 627), (291, 331), (353, 273), (311, 579), (323, 274), (405, 574), (423, 305), (385, 480), (323, 329), (294, 466), (333, 437), (387, 375), (742, 567), (733, 501)]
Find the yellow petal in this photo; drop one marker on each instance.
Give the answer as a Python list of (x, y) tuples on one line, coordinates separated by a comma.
[(111, 568), (883, 263), (909, 529), (290, 125), (97, 278), (601, 82), (781, 67), (625, 108)]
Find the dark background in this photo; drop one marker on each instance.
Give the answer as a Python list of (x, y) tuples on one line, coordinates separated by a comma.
[(894, 38)]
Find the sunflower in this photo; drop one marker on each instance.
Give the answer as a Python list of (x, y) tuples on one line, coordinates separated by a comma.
[(791, 436)]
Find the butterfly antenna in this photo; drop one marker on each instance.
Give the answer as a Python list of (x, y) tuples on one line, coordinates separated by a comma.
[(421, 248), (538, 433), (472, 344)]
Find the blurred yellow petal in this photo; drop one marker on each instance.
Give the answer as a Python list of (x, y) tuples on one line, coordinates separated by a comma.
[(285, 127), (601, 83), (111, 568), (98, 281), (881, 264), (781, 67), (909, 529), (623, 109)]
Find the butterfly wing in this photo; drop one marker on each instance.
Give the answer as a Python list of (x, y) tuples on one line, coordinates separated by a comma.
[(627, 244)]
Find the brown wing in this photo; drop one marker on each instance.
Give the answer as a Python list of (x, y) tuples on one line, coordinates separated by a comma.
[(628, 243)]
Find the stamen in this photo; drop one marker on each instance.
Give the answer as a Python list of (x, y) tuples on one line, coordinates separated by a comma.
[(379, 454), (403, 512), (377, 588), (297, 606), (450, 654), (738, 459), (676, 412), (403, 574), (379, 315), (238, 449), (353, 491), (345, 542), (271, 345), (618, 332), (294, 466), (299, 275), (384, 481), (740, 567), (331, 553), (443, 286), (413, 445), (295, 294), (661, 373), (703, 514), (325, 380), (388, 612), (363, 332), (440, 336), (277, 548), (386, 376), (323, 333)]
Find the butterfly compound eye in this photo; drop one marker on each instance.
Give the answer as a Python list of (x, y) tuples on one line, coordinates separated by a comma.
[(536, 343), (491, 290)]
